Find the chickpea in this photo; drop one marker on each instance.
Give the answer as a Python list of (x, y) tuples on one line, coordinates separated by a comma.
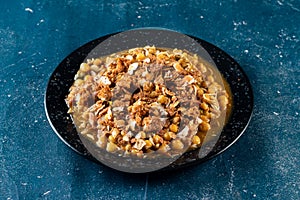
[(200, 92), (204, 84), (176, 119), (111, 147), (157, 139), (111, 138), (153, 94), (84, 67), (97, 62), (141, 135), (128, 147), (152, 50), (202, 68), (204, 106), (115, 132), (210, 79), (167, 136), (140, 56), (95, 68), (223, 100), (212, 88), (204, 126), (148, 144), (78, 82), (204, 118), (163, 148), (88, 78), (196, 140), (162, 99), (177, 145), (101, 142), (173, 128), (140, 154), (81, 74), (135, 151)]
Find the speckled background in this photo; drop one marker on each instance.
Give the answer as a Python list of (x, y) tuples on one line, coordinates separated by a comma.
[(263, 36)]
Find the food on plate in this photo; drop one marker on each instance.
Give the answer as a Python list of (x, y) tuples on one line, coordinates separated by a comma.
[(148, 100)]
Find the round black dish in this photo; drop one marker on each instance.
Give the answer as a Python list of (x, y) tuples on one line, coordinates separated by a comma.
[(63, 77)]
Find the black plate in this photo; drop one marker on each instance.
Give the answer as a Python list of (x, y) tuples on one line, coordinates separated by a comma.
[(63, 77)]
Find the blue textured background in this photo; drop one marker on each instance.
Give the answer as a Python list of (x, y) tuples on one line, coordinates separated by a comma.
[(263, 36)]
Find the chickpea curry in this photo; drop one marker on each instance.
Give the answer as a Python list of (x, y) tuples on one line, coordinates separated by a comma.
[(148, 99)]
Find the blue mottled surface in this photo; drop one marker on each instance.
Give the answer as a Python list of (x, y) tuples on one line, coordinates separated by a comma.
[(263, 36)]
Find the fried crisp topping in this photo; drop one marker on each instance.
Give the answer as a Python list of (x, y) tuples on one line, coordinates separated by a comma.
[(146, 100)]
